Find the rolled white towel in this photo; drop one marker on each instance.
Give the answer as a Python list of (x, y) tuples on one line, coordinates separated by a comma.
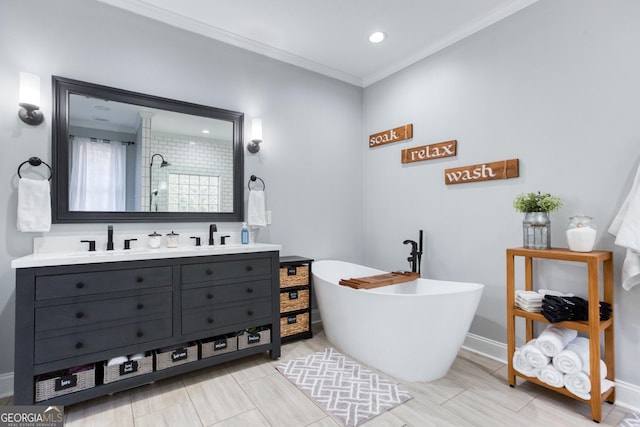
[(554, 339), (117, 360), (136, 356), (534, 355), (521, 365), (548, 374), (580, 383), (574, 358)]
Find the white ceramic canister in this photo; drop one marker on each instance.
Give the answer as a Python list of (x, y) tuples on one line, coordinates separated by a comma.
[(172, 240), (581, 233), (154, 240)]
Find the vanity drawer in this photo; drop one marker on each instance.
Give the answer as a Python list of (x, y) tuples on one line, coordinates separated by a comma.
[(244, 268), (72, 345), (202, 320), (94, 312), (76, 284), (220, 294)]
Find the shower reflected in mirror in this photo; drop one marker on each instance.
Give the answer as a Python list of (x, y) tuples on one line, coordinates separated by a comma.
[(153, 194)]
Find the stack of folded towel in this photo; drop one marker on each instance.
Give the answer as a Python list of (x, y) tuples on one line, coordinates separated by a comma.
[(529, 300), (559, 308), (123, 359), (559, 358)]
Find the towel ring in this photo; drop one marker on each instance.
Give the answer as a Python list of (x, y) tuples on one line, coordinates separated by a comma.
[(254, 178), (35, 161)]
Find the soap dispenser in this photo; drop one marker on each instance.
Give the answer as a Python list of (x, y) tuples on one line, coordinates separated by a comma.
[(244, 233)]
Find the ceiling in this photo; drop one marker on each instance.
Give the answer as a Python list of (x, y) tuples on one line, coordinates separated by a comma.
[(331, 36)]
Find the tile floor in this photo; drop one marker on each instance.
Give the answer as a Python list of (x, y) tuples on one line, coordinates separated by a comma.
[(251, 393)]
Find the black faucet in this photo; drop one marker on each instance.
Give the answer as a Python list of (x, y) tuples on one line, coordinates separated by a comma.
[(127, 243), (92, 244), (110, 238), (222, 240), (415, 257), (197, 240), (212, 228)]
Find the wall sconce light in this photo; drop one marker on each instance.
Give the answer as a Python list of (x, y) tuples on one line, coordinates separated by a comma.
[(29, 99), (256, 136)]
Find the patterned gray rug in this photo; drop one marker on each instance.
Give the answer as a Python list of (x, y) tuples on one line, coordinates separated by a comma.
[(344, 389), (631, 420)]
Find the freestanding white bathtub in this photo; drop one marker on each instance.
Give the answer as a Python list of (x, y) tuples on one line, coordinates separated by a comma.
[(412, 331)]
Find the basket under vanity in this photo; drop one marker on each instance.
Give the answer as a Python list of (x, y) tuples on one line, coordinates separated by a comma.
[(295, 298), (104, 306)]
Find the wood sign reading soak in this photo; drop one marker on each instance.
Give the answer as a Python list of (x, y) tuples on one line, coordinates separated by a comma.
[(483, 172), (429, 152), (391, 135)]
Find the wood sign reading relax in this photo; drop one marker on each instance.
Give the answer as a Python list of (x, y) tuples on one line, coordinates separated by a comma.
[(429, 152), (482, 172), (391, 135)]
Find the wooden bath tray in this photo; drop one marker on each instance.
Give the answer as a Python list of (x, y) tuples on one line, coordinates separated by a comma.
[(385, 279)]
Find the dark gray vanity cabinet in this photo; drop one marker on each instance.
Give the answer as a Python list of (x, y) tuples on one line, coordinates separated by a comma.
[(86, 314)]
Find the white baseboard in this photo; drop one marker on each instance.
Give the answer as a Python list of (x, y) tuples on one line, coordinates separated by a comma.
[(6, 384), (627, 394)]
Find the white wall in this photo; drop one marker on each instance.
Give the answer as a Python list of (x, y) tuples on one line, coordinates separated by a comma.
[(556, 85), (312, 124)]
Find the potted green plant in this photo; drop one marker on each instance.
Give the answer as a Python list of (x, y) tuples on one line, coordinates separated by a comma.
[(536, 226)]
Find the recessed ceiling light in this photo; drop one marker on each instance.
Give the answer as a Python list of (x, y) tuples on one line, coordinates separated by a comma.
[(377, 37), (205, 131)]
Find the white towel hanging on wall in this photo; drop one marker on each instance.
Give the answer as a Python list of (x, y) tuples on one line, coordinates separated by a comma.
[(34, 205), (626, 228), (257, 214)]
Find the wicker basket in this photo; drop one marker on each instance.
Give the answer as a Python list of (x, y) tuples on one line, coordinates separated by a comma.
[(129, 369), (218, 345), (168, 359), (247, 340), (294, 324), (294, 275), (65, 384), (294, 300)]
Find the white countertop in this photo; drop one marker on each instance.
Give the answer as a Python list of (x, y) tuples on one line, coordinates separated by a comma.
[(86, 257)]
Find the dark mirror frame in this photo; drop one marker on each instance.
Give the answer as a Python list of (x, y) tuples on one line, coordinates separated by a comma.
[(63, 87)]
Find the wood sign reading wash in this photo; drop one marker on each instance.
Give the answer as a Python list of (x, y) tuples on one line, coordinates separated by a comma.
[(391, 135), (483, 172)]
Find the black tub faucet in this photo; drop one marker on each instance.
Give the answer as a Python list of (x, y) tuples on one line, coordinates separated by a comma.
[(212, 229), (415, 257), (110, 238)]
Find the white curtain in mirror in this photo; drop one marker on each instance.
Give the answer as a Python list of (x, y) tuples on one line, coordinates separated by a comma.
[(98, 175)]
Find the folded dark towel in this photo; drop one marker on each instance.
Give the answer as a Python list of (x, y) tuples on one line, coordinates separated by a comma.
[(560, 308)]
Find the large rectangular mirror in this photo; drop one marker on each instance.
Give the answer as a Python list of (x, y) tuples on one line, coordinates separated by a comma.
[(122, 156)]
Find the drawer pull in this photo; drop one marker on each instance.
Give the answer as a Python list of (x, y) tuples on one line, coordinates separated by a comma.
[(80, 285), (140, 334), (140, 279), (249, 290), (209, 295), (249, 268), (250, 312), (79, 345), (79, 315), (140, 306), (209, 272), (209, 320)]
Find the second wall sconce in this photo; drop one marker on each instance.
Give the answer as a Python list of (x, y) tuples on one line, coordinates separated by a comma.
[(256, 136), (29, 99)]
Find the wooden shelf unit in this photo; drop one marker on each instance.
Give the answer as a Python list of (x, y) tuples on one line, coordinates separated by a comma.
[(594, 327)]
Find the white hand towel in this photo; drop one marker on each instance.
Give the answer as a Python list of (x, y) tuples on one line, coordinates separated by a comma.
[(548, 374), (136, 356), (554, 339), (534, 356), (626, 228), (574, 358), (34, 205), (521, 365), (580, 383), (257, 214), (117, 360)]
